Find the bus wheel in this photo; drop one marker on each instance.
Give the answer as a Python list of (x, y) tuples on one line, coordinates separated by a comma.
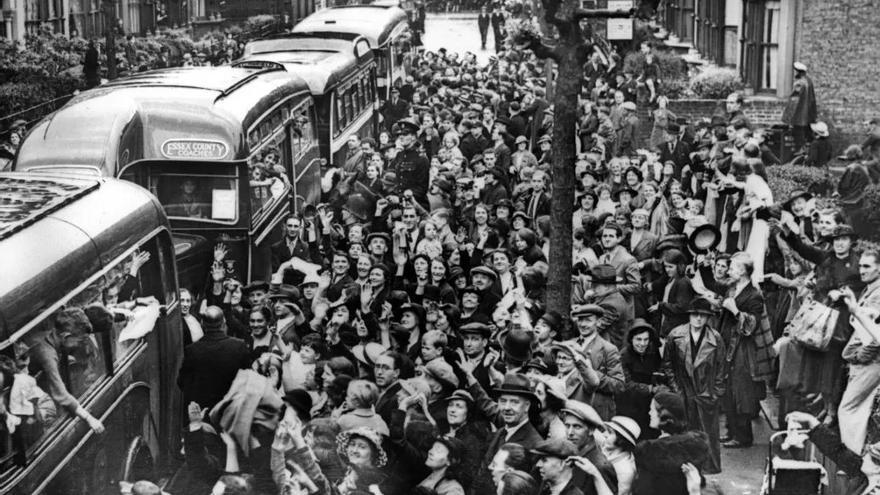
[(138, 461)]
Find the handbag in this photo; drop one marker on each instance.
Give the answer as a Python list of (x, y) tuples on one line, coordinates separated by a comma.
[(813, 325)]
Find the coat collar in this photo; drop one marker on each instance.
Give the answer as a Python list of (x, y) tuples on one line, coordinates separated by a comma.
[(707, 346)]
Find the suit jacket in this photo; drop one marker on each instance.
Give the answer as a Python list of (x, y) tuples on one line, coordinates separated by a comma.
[(281, 252), (629, 278), (483, 22), (497, 19), (680, 155), (644, 249), (209, 366), (517, 125), (606, 361), (540, 208)]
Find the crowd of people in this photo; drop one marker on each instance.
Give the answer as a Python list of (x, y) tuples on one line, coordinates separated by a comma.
[(403, 343)]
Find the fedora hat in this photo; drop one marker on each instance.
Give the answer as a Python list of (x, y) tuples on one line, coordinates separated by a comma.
[(701, 305), (626, 428), (285, 291), (603, 274), (517, 345), (704, 238), (516, 384)]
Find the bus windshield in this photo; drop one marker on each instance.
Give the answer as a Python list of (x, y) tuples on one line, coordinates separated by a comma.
[(210, 198)]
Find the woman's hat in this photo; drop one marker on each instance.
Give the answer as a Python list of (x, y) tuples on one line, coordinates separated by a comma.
[(844, 230), (553, 319), (701, 305), (704, 238), (820, 128), (632, 192), (797, 193), (516, 384), (461, 395), (368, 353), (626, 428), (368, 434), (301, 402), (536, 364)]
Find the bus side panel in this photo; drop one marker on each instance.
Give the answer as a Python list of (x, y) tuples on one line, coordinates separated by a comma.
[(98, 466), (323, 108)]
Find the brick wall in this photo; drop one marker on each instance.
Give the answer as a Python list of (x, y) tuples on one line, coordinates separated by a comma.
[(763, 112), (837, 40)]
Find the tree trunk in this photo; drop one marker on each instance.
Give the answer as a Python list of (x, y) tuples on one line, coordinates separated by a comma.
[(565, 104), (110, 38)]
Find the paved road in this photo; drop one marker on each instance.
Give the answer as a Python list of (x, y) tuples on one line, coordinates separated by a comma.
[(456, 33), (743, 468)]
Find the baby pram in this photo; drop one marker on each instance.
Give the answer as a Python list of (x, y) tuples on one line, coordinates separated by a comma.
[(792, 470)]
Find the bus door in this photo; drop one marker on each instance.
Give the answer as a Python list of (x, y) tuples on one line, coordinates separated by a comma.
[(285, 171)]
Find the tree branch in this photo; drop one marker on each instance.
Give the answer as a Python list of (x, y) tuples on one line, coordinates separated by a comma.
[(551, 8), (580, 14), (541, 50)]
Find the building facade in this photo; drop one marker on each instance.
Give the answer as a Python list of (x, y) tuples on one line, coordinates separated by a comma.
[(835, 39), (73, 17)]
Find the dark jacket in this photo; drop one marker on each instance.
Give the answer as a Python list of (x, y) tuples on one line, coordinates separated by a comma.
[(209, 366), (658, 463), (680, 154)]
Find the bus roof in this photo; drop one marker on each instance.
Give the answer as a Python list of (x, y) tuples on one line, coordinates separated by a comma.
[(56, 229), (130, 119), (376, 23), (322, 63)]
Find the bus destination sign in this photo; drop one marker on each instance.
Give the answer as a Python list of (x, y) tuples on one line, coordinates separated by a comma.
[(194, 149)]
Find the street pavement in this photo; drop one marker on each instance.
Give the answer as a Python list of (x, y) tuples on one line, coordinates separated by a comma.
[(456, 33), (743, 469)]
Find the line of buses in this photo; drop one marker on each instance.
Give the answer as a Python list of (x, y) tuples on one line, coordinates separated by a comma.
[(75, 229)]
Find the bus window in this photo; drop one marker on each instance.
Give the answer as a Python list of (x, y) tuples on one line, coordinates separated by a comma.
[(349, 111), (269, 175), (341, 123), (72, 350), (210, 198), (306, 126)]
